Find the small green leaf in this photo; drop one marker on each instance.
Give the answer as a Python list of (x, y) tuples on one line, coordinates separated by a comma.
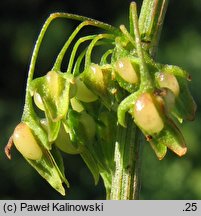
[(74, 128), (185, 106), (170, 137), (52, 126), (159, 149), (51, 170), (175, 70)]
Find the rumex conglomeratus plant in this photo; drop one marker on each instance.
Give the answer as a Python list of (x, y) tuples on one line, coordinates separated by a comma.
[(99, 109)]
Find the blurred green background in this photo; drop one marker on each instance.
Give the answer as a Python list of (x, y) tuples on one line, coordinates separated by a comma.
[(20, 23)]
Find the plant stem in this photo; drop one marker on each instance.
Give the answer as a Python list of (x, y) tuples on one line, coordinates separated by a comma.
[(126, 177), (125, 181)]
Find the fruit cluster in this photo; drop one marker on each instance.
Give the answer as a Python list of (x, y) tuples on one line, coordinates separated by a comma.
[(78, 111)]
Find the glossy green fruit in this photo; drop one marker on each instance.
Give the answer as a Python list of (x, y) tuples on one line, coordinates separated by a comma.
[(83, 93), (168, 81), (146, 114), (126, 70)]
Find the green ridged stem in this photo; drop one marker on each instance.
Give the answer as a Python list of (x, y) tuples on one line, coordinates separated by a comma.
[(150, 23), (126, 178)]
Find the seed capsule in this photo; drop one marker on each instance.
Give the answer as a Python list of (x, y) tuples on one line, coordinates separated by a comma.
[(146, 114), (26, 143), (83, 93), (168, 81), (126, 70)]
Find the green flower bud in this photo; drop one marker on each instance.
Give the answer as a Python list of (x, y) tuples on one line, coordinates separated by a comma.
[(146, 115), (100, 81), (26, 143), (95, 78), (48, 88), (51, 93), (126, 71)]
